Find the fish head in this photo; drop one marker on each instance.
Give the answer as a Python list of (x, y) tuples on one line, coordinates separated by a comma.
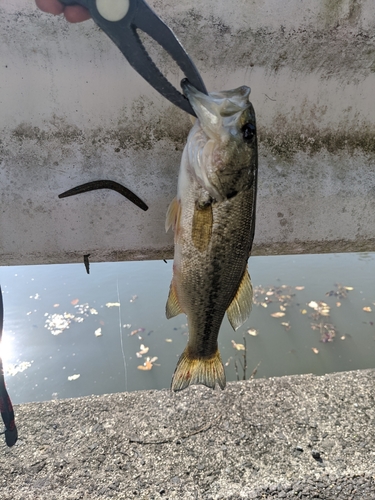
[(223, 142)]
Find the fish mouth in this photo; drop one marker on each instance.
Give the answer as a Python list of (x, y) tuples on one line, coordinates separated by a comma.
[(217, 109), (204, 106)]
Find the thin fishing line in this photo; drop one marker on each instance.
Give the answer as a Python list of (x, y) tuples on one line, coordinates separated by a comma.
[(121, 339)]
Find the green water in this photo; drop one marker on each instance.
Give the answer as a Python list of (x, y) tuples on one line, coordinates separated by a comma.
[(41, 300)]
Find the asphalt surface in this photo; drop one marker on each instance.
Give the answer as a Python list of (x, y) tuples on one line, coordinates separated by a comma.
[(292, 437)]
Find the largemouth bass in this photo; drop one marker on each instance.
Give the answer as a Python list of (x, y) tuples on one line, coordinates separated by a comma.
[(213, 217)]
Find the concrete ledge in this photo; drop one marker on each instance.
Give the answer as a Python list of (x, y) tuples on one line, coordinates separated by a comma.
[(244, 442)]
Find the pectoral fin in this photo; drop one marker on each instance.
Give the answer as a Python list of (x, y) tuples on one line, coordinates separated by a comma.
[(173, 307), (241, 305), (202, 227)]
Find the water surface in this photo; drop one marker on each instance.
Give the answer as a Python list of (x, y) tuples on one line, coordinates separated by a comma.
[(69, 334)]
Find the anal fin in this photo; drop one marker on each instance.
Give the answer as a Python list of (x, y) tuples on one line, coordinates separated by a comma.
[(173, 307), (240, 307), (204, 371)]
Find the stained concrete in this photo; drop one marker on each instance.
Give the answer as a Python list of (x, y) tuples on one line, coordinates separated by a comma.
[(73, 111), (292, 437)]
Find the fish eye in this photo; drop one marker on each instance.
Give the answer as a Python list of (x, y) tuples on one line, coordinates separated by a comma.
[(248, 132)]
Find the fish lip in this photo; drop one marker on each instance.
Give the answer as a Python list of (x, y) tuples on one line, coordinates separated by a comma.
[(203, 105), (185, 84), (194, 95)]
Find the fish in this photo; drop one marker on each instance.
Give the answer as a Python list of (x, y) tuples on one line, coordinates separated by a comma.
[(213, 218)]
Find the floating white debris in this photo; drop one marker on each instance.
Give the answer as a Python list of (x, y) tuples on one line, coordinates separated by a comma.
[(93, 311), (278, 314), (320, 307), (17, 368), (74, 377), (239, 347), (143, 350), (98, 332), (113, 304), (148, 364), (252, 332), (82, 309), (57, 323), (286, 325), (168, 340)]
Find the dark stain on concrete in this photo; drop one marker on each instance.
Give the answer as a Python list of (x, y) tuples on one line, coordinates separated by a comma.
[(338, 49), (138, 132), (285, 142)]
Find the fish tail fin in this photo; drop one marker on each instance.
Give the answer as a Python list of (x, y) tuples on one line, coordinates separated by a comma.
[(192, 370)]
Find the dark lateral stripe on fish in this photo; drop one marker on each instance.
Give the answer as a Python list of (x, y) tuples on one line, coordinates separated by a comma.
[(106, 184)]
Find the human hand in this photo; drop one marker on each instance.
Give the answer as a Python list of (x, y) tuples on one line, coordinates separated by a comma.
[(72, 13)]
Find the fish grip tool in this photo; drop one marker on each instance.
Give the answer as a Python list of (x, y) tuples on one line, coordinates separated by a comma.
[(6, 408), (120, 19)]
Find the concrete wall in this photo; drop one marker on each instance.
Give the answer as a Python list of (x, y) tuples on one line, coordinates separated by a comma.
[(72, 110)]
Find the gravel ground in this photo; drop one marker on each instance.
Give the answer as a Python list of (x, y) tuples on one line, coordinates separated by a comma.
[(292, 437)]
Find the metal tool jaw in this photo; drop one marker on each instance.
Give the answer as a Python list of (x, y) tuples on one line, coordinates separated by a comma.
[(120, 19)]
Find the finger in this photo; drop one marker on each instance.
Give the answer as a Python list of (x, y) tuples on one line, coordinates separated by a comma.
[(51, 6), (76, 14)]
